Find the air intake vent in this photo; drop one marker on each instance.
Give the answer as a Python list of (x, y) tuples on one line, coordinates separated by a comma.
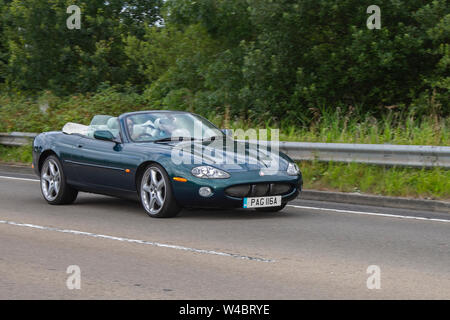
[(280, 188), (238, 191), (258, 190)]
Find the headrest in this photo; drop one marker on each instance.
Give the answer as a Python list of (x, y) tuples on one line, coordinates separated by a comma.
[(113, 123), (100, 120)]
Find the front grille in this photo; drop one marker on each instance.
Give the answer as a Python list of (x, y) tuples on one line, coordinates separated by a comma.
[(259, 190), (238, 191), (280, 188)]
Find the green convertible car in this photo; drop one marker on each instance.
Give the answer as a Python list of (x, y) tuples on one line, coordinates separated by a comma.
[(165, 159)]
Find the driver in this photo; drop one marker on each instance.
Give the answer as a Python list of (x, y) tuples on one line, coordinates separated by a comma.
[(166, 126), (141, 131), (161, 128)]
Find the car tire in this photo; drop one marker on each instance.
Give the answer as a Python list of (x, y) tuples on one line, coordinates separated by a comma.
[(156, 193), (53, 183), (272, 209)]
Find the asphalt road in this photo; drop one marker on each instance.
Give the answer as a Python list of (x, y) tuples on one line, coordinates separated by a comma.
[(311, 250)]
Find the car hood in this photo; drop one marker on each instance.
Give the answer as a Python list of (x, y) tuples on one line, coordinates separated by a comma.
[(229, 154)]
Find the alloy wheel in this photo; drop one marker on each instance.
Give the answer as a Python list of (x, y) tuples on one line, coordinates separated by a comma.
[(50, 180), (153, 190)]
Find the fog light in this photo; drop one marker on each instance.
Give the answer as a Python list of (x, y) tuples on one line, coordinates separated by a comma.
[(205, 191)]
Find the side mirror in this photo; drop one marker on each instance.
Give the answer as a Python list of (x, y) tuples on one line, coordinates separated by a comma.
[(227, 132), (104, 135)]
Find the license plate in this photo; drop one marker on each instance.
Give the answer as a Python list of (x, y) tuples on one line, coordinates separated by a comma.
[(262, 202)]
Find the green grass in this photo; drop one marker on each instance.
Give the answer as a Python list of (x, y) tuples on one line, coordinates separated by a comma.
[(338, 127), (390, 181), (15, 154), (409, 131)]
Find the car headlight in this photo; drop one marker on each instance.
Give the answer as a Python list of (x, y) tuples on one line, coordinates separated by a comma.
[(208, 172), (293, 169)]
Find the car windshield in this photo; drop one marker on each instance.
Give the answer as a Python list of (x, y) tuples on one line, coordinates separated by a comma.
[(155, 126)]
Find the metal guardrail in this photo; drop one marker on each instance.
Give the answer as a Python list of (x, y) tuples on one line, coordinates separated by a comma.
[(380, 154), (16, 138)]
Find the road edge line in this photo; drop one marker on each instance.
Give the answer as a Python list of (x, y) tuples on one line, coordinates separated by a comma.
[(376, 201)]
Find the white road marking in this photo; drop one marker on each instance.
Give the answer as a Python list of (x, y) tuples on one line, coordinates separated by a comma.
[(370, 213), (321, 209), (14, 178), (151, 243)]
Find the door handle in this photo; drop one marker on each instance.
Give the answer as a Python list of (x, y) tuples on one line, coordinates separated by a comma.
[(80, 146)]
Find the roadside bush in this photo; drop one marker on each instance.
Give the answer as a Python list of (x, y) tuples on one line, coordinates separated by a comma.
[(46, 112)]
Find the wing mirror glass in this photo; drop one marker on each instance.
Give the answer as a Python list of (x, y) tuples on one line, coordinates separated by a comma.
[(104, 135)]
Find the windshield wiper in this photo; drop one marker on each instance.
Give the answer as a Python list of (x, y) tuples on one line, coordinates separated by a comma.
[(168, 139), (212, 138)]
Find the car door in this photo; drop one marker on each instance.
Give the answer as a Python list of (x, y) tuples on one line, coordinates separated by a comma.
[(99, 164), (66, 146)]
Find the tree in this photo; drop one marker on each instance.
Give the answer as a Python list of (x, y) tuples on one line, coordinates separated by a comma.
[(4, 52), (45, 54)]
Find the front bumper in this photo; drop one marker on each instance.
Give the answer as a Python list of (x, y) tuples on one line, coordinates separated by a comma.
[(187, 193)]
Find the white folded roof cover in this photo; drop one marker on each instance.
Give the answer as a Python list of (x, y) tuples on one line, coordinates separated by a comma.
[(71, 128)]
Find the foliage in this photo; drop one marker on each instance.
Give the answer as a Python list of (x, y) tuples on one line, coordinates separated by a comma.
[(45, 54), (47, 112), (3, 44), (284, 59), (246, 59)]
